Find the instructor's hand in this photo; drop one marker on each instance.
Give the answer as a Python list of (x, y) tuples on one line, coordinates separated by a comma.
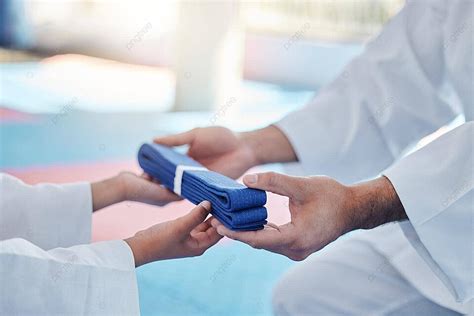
[(321, 209), (187, 236), (315, 206), (217, 148)]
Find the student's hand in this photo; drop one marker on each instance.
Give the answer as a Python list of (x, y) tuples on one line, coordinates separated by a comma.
[(217, 148), (187, 236), (128, 186), (145, 189), (321, 209)]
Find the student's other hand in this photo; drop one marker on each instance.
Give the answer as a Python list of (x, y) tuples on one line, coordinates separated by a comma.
[(187, 236), (128, 186), (145, 189), (217, 148)]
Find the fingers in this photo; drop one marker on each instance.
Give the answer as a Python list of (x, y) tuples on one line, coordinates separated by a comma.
[(153, 193), (281, 240), (207, 238), (202, 237), (202, 227), (269, 238), (198, 214), (149, 178), (145, 189), (166, 195), (177, 139), (273, 182)]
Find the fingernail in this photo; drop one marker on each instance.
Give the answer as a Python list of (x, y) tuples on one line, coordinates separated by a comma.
[(206, 205), (251, 178)]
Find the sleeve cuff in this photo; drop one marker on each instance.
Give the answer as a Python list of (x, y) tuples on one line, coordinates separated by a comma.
[(406, 187), (294, 127), (113, 254)]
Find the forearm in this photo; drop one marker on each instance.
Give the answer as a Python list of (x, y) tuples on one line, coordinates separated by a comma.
[(107, 192), (373, 203), (269, 145)]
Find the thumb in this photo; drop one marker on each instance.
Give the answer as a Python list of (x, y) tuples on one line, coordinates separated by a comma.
[(177, 139), (197, 215), (274, 182)]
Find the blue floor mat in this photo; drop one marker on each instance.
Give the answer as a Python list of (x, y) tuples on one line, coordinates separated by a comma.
[(78, 137), (229, 279)]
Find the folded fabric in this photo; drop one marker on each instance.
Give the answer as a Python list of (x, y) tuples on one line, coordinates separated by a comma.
[(235, 205)]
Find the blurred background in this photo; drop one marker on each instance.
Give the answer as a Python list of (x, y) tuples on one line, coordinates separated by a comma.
[(83, 83)]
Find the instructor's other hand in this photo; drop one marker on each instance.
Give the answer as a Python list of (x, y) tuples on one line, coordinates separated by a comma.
[(217, 148), (187, 236)]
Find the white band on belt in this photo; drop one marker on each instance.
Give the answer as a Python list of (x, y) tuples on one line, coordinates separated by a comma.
[(178, 176)]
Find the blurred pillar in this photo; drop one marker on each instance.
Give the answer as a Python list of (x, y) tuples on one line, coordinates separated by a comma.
[(209, 54)]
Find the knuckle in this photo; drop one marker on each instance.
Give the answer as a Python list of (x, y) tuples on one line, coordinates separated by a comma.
[(271, 179), (302, 189), (302, 185), (202, 211)]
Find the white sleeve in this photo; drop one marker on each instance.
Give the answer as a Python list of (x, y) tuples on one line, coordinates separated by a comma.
[(95, 279), (436, 187), (48, 215), (385, 100)]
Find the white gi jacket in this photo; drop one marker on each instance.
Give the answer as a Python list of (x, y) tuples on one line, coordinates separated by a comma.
[(47, 266), (387, 99)]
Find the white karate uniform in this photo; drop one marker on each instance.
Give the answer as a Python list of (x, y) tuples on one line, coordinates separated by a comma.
[(47, 266), (414, 78)]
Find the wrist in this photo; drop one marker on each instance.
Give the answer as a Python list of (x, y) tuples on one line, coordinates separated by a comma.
[(121, 187), (107, 192), (268, 145), (250, 146), (136, 251), (373, 203), (139, 246)]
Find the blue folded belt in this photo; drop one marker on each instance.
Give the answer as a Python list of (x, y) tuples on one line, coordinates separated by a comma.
[(235, 205)]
